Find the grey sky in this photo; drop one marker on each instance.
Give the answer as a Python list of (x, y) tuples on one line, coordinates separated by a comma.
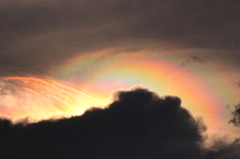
[(36, 35)]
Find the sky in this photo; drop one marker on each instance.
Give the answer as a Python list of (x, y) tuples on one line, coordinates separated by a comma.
[(60, 58)]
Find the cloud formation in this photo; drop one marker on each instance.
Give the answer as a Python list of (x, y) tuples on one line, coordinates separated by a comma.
[(236, 116), (41, 34), (138, 124)]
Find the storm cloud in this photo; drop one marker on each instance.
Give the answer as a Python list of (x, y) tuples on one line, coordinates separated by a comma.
[(36, 35), (138, 124)]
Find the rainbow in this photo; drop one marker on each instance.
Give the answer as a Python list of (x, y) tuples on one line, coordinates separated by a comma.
[(103, 72), (90, 79)]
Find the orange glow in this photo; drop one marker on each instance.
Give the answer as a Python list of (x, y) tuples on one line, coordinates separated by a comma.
[(103, 73), (43, 98), (126, 70)]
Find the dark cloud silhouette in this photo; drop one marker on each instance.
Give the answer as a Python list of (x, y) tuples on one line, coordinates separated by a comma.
[(43, 33), (236, 116), (230, 151), (138, 124)]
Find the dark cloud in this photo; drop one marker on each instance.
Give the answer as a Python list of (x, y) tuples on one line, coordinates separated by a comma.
[(226, 152), (43, 33), (194, 58), (138, 124), (236, 116)]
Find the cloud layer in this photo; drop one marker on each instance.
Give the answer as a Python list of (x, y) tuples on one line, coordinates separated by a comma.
[(40, 34), (138, 124)]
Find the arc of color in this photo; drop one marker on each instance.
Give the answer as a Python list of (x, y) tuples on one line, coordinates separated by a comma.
[(123, 71)]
